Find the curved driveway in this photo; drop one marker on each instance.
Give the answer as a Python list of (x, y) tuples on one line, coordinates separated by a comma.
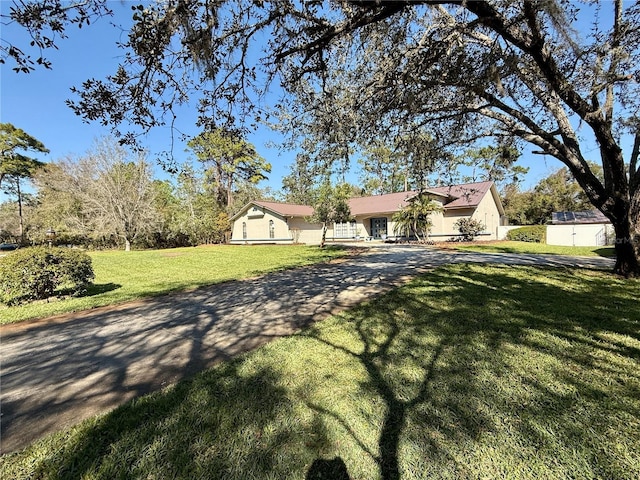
[(58, 372)]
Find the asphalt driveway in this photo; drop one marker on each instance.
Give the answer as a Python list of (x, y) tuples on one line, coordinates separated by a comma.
[(58, 372)]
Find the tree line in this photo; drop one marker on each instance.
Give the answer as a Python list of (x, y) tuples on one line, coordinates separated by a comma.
[(109, 198)]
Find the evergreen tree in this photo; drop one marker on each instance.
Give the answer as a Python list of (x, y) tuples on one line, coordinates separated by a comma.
[(15, 166)]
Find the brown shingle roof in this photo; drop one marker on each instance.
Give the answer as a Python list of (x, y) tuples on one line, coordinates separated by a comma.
[(455, 196), (390, 202), (467, 195)]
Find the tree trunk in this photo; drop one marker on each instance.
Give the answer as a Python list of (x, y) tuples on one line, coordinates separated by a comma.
[(619, 201), (324, 235), (229, 192), (21, 220), (627, 263), (127, 245), (635, 222)]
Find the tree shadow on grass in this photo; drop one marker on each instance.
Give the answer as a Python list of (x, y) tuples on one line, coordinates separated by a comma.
[(402, 371), (233, 421), (322, 469), (608, 252), (470, 366), (99, 288)]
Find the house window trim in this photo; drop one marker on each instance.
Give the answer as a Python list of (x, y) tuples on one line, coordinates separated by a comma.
[(345, 229)]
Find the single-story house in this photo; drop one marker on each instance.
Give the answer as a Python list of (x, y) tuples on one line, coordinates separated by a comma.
[(586, 229), (273, 222)]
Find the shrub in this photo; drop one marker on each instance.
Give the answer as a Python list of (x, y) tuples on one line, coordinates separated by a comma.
[(469, 228), (532, 234), (36, 273)]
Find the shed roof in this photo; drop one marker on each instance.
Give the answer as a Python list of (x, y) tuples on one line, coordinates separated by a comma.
[(573, 218)]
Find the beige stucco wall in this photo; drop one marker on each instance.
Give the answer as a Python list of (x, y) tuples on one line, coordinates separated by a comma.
[(443, 222), (364, 222), (305, 232), (257, 222), (286, 230), (487, 213), (449, 218)]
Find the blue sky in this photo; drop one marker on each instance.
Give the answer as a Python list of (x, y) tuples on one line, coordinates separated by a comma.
[(35, 102)]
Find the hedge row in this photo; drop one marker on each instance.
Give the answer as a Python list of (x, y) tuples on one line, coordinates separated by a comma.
[(532, 233), (36, 273)]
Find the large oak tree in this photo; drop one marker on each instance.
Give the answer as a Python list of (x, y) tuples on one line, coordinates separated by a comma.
[(353, 70)]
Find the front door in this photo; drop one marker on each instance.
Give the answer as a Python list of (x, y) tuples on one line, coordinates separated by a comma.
[(378, 227)]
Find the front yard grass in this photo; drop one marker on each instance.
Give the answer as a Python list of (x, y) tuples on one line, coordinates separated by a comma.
[(507, 246), (124, 276), (471, 371)]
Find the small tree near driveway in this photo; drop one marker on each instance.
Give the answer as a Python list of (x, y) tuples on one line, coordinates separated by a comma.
[(331, 206)]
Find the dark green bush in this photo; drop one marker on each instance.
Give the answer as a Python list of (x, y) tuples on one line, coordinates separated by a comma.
[(532, 234), (36, 273)]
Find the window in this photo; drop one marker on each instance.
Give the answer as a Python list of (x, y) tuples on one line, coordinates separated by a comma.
[(272, 229), (345, 230), (244, 230)]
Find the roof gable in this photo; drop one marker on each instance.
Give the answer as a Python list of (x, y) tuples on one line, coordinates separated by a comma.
[(468, 195), (282, 209)]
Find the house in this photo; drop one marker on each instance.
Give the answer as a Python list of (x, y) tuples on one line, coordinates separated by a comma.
[(586, 229), (273, 222)]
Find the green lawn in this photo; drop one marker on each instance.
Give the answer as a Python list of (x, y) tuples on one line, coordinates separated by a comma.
[(468, 372), (123, 276), (528, 247)]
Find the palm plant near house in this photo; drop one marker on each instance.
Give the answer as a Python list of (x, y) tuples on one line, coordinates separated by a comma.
[(415, 218)]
